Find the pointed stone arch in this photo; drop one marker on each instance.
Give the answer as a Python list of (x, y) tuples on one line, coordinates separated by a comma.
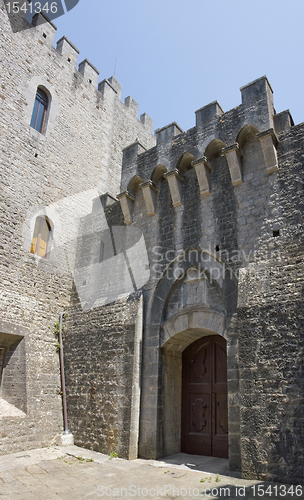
[(184, 162), (133, 184), (164, 342), (214, 149), (127, 198), (184, 328), (158, 173), (247, 134), (203, 260), (53, 105)]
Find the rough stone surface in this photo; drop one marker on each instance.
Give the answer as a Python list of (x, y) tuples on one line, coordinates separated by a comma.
[(81, 150), (255, 230), (99, 356), (230, 264), (74, 472)]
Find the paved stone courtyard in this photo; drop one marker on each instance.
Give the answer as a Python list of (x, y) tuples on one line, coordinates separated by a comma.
[(74, 473)]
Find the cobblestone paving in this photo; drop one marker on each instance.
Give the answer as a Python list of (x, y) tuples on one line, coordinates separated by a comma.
[(75, 474)]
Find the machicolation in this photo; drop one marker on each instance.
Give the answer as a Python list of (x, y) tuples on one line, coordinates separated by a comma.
[(174, 262)]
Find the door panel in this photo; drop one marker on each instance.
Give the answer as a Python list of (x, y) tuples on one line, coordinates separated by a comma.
[(200, 409), (204, 398)]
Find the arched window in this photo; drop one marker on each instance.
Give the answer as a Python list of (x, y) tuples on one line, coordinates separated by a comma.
[(38, 120), (42, 237)]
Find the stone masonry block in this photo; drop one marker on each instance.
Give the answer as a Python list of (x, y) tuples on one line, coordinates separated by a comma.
[(68, 50), (203, 172), (234, 161), (175, 181), (150, 195), (254, 90), (131, 104), (45, 28), (165, 133), (89, 72), (146, 121), (116, 85), (268, 142), (205, 114), (126, 203)]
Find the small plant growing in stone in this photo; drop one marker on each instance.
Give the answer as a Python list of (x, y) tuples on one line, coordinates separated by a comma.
[(57, 325), (113, 454), (58, 346), (81, 460), (217, 479), (90, 460), (56, 328), (202, 480)]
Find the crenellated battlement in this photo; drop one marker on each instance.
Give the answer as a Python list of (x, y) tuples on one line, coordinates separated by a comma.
[(85, 118), (46, 31), (89, 72), (45, 28), (68, 50), (167, 132), (217, 134), (206, 285)]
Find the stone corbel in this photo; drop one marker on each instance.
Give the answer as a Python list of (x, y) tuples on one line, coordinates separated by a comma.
[(234, 160), (268, 142), (175, 181), (150, 193), (126, 203), (203, 173)]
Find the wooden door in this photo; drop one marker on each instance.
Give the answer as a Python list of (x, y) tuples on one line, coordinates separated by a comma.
[(204, 398)]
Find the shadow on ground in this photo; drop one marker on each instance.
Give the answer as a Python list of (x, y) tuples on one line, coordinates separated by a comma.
[(211, 465)]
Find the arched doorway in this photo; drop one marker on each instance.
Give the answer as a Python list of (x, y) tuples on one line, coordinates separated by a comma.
[(204, 428), (196, 300)]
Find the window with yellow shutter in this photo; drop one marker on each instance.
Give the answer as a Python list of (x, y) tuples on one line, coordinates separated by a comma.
[(41, 237)]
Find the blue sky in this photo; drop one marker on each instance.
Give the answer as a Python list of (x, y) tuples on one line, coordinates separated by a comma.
[(175, 56)]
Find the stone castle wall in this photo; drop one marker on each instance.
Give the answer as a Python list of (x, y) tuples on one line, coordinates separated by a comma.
[(102, 368), (203, 201), (223, 200), (57, 173), (233, 212)]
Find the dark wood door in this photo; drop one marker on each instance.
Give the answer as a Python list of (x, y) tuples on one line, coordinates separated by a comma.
[(204, 398)]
